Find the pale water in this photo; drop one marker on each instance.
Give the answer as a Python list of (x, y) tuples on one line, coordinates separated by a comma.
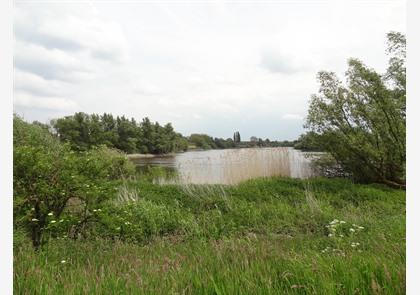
[(231, 166)]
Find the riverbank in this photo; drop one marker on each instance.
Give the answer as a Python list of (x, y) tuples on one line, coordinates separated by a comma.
[(263, 236)]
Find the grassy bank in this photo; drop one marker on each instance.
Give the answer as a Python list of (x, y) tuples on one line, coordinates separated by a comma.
[(264, 236)]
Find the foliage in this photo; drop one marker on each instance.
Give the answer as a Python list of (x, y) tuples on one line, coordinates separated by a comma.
[(84, 131), (263, 236), (48, 175), (202, 141), (308, 142), (362, 124), (237, 137)]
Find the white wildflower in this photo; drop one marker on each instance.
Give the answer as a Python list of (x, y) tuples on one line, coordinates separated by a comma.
[(342, 221), (53, 221), (63, 261), (34, 220), (50, 214), (352, 230), (330, 235)]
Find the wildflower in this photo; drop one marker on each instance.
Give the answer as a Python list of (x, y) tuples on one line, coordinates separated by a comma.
[(61, 220), (32, 209), (53, 221), (361, 227), (94, 210), (127, 223), (50, 214), (34, 220), (352, 230), (342, 221), (330, 235), (63, 261), (118, 228), (341, 236), (99, 210)]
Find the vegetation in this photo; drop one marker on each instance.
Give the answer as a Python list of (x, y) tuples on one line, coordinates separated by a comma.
[(264, 236), (362, 125), (84, 131), (236, 137), (48, 177), (308, 142)]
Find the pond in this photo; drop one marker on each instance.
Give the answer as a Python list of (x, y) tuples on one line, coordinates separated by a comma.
[(231, 166)]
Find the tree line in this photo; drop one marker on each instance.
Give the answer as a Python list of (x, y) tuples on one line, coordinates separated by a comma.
[(83, 131)]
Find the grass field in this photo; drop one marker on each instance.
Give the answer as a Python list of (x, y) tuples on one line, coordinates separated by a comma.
[(264, 236)]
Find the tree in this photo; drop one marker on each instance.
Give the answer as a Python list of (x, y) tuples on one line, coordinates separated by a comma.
[(362, 124), (237, 137), (202, 141), (83, 131), (47, 174)]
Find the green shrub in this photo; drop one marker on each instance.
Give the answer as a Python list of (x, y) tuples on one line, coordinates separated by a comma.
[(48, 177)]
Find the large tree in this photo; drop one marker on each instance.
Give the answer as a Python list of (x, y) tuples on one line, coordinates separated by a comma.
[(362, 123)]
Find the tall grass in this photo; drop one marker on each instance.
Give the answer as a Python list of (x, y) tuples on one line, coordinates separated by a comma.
[(263, 236)]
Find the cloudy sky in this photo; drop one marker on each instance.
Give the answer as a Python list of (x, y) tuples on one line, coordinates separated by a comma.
[(206, 66)]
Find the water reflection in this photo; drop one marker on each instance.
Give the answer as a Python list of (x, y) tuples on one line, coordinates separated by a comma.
[(232, 166)]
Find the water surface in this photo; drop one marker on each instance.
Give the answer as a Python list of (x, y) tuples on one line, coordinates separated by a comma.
[(231, 166)]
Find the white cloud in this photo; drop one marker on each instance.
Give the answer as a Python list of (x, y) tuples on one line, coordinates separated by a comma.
[(26, 100), (249, 67)]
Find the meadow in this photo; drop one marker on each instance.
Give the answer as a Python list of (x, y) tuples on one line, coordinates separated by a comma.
[(263, 236)]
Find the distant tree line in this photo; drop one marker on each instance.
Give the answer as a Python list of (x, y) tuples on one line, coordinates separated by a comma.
[(84, 131), (205, 142)]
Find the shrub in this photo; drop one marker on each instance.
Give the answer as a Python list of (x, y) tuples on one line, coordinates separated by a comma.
[(48, 176)]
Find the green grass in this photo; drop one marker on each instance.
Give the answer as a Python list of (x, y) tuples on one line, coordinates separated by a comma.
[(264, 236)]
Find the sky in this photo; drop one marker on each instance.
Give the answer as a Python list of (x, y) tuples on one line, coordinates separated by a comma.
[(211, 67)]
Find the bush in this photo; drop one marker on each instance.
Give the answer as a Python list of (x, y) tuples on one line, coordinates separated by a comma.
[(48, 176)]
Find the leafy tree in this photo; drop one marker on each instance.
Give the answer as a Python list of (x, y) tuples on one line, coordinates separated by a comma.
[(362, 124), (307, 142), (237, 137), (48, 175), (202, 141), (83, 131)]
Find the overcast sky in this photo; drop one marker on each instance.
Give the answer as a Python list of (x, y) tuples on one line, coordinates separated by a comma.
[(207, 67)]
